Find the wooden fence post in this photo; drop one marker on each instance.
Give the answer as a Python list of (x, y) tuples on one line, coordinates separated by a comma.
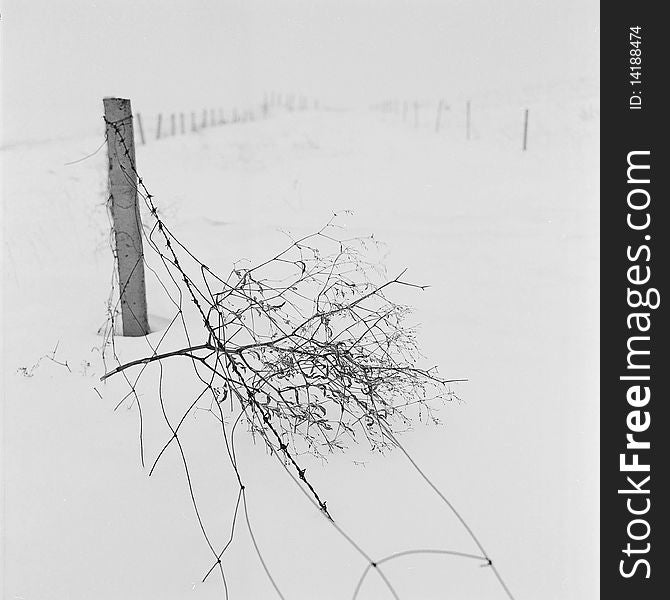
[(158, 126), (126, 216), (525, 130), (182, 124), (194, 126), (173, 125)]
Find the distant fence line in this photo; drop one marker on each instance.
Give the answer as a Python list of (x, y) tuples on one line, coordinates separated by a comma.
[(411, 112), (165, 125)]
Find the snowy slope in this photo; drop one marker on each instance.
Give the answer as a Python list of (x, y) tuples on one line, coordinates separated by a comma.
[(508, 243)]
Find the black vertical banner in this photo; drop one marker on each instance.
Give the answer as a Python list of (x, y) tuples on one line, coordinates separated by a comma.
[(635, 429)]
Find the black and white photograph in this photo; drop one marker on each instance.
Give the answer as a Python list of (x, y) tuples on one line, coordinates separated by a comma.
[(300, 300)]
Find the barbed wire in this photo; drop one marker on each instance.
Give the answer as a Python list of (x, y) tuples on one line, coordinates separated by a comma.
[(306, 348)]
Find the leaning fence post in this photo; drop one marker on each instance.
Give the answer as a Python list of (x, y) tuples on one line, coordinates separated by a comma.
[(525, 130), (126, 216)]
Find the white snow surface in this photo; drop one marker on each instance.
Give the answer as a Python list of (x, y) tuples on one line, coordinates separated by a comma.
[(507, 241)]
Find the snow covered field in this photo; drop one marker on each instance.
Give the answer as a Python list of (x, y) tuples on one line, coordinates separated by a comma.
[(508, 242)]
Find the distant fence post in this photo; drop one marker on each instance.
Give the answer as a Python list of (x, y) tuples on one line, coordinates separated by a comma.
[(138, 120), (194, 126), (173, 125), (182, 124), (467, 120), (158, 126), (126, 216), (525, 130)]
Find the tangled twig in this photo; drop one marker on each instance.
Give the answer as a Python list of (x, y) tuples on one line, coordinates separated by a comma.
[(307, 348)]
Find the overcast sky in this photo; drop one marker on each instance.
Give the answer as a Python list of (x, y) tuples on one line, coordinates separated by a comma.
[(60, 58)]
